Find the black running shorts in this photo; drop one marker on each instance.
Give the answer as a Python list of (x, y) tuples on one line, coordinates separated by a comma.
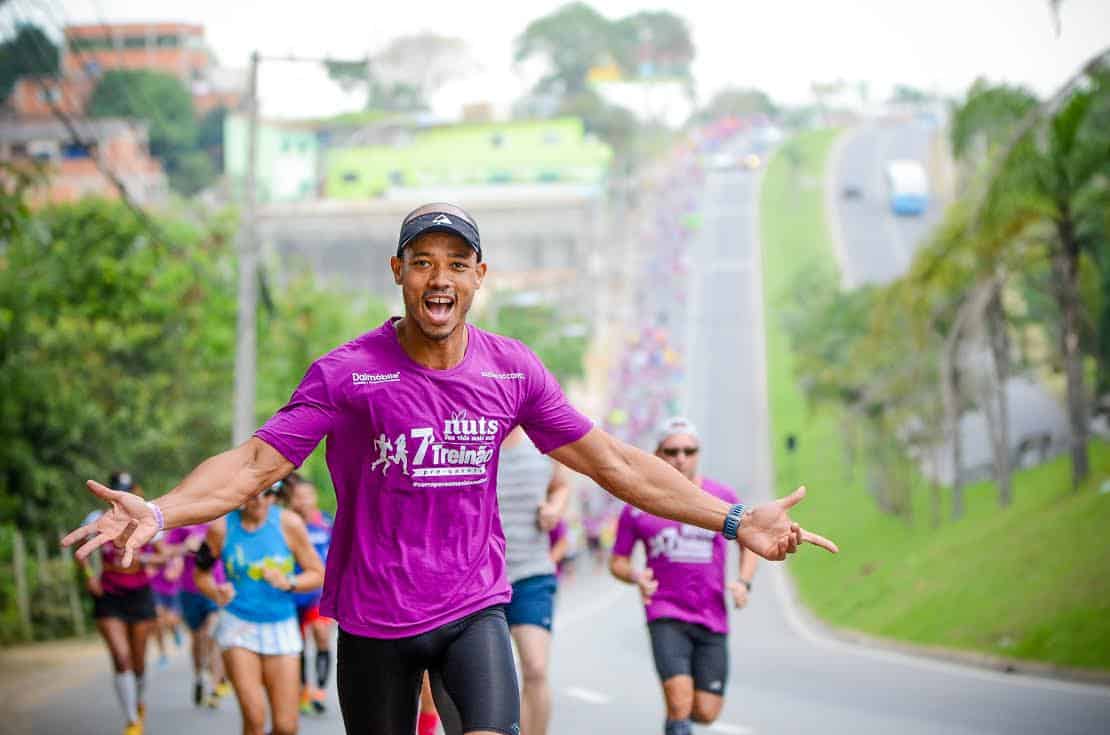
[(471, 666), (682, 648), (132, 606)]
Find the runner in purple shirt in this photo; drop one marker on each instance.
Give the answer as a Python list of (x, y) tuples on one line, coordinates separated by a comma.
[(683, 588), (414, 412)]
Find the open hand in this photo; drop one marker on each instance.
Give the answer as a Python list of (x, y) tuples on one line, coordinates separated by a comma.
[(767, 530), (129, 522), (648, 584)]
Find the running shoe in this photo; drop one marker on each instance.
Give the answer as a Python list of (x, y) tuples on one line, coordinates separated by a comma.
[(198, 692), (135, 728), (306, 702), (163, 662), (222, 689)]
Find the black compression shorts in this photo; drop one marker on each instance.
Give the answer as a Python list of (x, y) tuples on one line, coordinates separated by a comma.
[(471, 666), (682, 648), (130, 606)]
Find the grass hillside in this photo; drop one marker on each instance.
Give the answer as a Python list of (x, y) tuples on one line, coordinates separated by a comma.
[(1031, 581)]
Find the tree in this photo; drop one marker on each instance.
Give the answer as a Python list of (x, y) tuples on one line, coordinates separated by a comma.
[(29, 52), (652, 44), (404, 75), (571, 41), (560, 346), (161, 100), (165, 105), (1058, 176), (736, 102)]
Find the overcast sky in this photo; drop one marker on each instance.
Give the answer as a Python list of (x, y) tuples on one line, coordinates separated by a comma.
[(779, 46)]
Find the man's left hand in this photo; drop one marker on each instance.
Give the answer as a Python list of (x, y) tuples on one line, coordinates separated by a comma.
[(768, 531)]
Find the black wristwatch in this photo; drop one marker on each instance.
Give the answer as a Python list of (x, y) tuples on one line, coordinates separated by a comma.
[(292, 584), (747, 583)]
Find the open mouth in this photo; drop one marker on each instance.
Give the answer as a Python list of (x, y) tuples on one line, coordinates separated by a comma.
[(439, 307)]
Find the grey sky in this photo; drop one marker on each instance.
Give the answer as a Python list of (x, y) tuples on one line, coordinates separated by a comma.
[(777, 45)]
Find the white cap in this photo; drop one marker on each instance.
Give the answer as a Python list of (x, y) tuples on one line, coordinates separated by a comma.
[(675, 425)]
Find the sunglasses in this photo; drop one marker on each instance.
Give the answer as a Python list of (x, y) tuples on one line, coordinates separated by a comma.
[(674, 451)]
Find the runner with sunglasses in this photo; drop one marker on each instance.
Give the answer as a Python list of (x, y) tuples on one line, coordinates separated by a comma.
[(683, 589)]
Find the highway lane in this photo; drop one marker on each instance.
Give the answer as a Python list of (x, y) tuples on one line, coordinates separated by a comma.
[(785, 677), (877, 247)]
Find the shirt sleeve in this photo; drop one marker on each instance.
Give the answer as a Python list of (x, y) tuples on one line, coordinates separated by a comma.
[(300, 424), (546, 415), (626, 533)]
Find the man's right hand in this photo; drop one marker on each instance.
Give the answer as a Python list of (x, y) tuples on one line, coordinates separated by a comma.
[(129, 523), (648, 584)]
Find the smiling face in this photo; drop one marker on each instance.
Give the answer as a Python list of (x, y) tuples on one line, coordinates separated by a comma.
[(438, 275)]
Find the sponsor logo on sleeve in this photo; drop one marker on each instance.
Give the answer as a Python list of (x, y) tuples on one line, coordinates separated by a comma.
[(502, 376)]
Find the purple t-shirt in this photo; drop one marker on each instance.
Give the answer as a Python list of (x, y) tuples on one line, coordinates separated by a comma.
[(192, 535), (412, 451), (689, 563)]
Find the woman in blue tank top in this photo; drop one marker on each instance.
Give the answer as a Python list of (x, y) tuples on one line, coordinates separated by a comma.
[(260, 544)]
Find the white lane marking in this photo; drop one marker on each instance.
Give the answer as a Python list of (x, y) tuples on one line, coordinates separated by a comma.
[(832, 208), (731, 729), (587, 695)]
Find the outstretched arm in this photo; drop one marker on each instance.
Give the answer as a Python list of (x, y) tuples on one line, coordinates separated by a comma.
[(652, 485), (218, 485)]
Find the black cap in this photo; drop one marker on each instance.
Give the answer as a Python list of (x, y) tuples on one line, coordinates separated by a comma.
[(434, 221), (121, 481)]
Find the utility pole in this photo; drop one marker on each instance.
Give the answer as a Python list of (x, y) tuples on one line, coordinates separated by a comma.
[(245, 334)]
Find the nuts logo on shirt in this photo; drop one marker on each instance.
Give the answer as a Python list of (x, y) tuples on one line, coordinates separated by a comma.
[(459, 457)]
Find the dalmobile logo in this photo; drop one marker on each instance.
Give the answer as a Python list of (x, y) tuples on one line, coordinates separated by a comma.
[(460, 427)]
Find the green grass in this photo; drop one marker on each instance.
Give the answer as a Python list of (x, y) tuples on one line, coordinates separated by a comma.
[(1031, 581)]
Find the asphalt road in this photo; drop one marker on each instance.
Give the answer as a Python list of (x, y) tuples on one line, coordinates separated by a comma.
[(878, 244), (784, 677)]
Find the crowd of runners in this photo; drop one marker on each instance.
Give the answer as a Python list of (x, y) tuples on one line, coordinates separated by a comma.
[(448, 449)]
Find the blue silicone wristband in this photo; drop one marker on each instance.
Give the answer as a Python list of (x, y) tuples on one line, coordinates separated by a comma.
[(732, 521)]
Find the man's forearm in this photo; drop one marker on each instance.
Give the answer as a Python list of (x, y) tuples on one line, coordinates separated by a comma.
[(222, 483), (621, 568), (652, 485), (748, 562)]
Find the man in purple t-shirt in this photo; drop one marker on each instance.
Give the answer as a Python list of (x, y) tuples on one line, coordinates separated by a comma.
[(683, 588), (414, 412)]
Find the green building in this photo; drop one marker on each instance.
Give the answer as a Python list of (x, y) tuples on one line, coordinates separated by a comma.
[(524, 152), (288, 158)]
